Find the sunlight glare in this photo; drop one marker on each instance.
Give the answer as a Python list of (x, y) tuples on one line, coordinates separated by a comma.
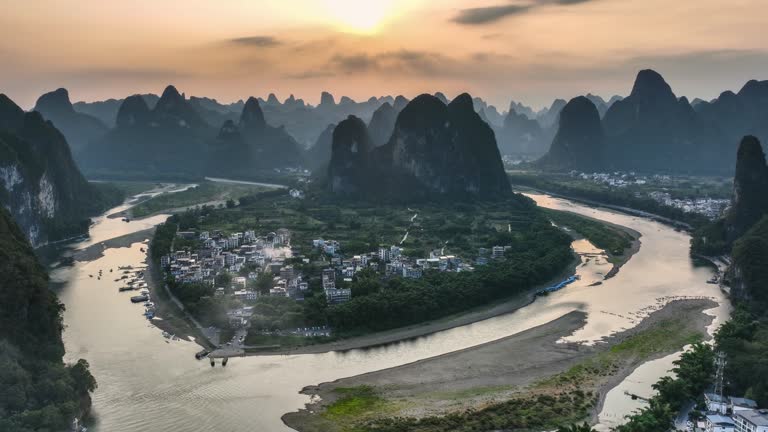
[(359, 15)]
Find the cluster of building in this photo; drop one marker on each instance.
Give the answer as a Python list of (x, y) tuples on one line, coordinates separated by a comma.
[(709, 207), (390, 262), (732, 414), (615, 179), (218, 253)]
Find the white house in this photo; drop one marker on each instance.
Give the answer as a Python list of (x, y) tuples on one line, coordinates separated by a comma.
[(716, 403), (719, 423), (751, 420)]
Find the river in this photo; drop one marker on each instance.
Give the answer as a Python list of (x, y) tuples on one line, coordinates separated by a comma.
[(149, 383)]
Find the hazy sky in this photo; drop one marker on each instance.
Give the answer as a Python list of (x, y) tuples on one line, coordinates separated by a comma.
[(528, 50)]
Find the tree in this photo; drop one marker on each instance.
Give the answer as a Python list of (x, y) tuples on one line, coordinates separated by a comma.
[(576, 428)]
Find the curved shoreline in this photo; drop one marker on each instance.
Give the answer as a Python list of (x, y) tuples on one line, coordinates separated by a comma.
[(540, 356)]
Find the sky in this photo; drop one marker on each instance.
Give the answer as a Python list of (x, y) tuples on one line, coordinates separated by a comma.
[(528, 50)]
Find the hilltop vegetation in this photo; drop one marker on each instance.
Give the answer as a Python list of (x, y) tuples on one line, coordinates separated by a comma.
[(538, 252)]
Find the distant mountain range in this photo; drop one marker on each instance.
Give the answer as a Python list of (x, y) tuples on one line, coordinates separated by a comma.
[(40, 183), (652, 130)]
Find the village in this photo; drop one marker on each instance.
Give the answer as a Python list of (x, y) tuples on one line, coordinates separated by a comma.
[(243, 268)]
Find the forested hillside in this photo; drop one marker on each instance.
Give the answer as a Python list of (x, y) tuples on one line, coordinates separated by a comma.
[(39, 392)]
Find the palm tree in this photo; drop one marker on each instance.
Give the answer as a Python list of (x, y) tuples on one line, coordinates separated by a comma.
[(576, 428)]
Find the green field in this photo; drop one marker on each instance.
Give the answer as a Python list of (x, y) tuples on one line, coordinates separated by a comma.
[(204, 193)]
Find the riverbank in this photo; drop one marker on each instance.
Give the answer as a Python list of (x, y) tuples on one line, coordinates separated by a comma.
[(169, 316), (96, 251), (482, 376), (676, 224), (403, 334)]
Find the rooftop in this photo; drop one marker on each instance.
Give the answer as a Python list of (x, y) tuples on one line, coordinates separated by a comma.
[(756, 417)]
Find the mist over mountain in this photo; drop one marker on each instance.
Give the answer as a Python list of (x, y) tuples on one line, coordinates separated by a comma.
[(172, 137), (39, 182), (106, 110), (79, 129), (580, 142), (253, 144), (653, 130), (522, 136), (436, 150), (548, 117), (382, 124), (319, 155), (738, 114)]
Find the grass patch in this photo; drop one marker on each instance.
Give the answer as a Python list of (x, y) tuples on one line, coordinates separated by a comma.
[(131, 188), (613, 240), (353, 403), (205, 192), (666, 336)]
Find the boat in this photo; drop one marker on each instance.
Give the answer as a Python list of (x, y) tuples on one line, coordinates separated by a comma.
[(139, 299), (558, 287), (125, 288)]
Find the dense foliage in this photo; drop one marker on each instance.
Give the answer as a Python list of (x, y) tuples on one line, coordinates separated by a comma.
[(536, 256), (538, 252), (613, 240), (694, 373), (543, 412), (39, 392)]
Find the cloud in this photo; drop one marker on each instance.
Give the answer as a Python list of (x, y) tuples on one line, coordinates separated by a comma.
[(354, 63), (256, 41), (492, 14), (307, 75)]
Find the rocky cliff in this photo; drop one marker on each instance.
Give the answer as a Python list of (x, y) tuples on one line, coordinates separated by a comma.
[(653, 130), (79, 129), (436, 150), (750, 189), (348, 171), (580, 142), (39, 182)]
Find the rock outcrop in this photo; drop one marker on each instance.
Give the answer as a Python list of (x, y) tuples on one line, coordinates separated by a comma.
[(750, 189), (580, 142), (653, 130), (436, 151), (79, 129), (348, 171), (39, 182)]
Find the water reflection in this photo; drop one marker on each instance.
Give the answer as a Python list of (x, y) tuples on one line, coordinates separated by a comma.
[(148, 383)]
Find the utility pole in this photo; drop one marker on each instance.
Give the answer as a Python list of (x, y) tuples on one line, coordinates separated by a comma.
[(720, 362)]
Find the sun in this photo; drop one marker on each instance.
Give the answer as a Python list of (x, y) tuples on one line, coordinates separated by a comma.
[(359, 16)]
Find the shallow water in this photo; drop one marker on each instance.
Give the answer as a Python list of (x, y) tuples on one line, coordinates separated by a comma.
[(146, 383)]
